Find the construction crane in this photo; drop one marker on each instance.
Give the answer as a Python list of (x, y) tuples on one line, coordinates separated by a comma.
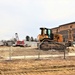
[(17, 38), (19, 42)]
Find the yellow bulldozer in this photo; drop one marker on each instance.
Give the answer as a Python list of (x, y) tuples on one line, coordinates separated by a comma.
[(48, 40)]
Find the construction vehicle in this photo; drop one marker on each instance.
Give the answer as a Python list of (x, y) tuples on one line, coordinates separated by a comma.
[(48, 40), (19, 42)]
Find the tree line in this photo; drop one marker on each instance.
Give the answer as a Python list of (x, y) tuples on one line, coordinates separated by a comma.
[(28, 38)]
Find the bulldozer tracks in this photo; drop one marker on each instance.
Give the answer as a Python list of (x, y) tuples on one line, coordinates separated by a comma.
[(41, 70)]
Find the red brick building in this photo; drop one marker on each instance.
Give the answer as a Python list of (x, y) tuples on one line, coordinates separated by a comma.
[(67, 30)]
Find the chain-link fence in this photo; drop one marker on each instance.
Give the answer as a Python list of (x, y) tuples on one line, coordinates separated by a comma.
[(32, 52), (11, 53)]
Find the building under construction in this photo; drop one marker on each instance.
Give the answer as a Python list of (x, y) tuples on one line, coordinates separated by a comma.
[(67, 30)]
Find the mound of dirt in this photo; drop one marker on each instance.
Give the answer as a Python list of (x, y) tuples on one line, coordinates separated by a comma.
[(71, 49)]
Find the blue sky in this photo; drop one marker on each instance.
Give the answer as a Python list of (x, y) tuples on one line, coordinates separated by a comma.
[(25, 17)]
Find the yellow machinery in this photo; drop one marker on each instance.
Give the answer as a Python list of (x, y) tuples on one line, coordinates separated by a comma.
[(48, 40)]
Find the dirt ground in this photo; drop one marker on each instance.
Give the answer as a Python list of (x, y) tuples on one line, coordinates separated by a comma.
[(38, 67), (52, 66)]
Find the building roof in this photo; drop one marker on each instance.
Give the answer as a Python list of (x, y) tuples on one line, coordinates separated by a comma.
[(64, 25), (67, 24)]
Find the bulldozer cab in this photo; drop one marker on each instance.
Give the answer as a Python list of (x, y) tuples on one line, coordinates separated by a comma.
[(47, 32)]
